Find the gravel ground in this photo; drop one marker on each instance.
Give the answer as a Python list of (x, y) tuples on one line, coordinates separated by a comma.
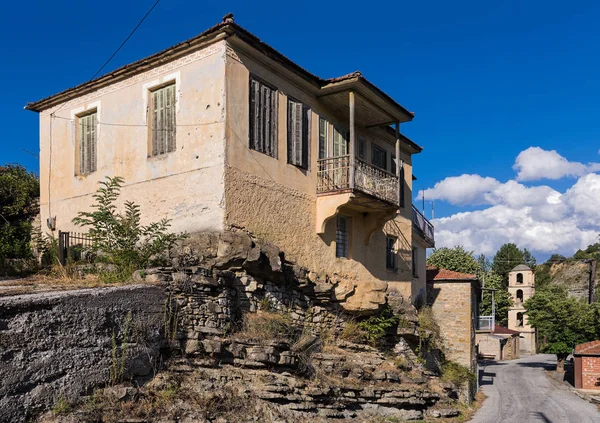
[(519, 391)]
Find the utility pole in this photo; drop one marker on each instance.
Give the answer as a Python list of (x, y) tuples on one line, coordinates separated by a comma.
[(591, 281)]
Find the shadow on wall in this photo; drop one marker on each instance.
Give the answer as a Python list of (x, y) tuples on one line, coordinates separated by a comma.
[(373, 260)]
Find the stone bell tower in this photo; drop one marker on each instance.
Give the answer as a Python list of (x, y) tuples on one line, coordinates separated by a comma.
[(521, 286)]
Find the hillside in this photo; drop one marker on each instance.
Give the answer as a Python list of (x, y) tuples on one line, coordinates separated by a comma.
[(572, 274)]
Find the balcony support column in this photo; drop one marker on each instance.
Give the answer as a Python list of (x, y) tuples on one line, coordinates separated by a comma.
[(352, 140)]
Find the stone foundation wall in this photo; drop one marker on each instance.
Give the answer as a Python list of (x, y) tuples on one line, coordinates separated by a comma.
[(55, 345)]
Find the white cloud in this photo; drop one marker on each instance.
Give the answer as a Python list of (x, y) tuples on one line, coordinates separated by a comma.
[(538, 218), (536, 163), (461, 190)]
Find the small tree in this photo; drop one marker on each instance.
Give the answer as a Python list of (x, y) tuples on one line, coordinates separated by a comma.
[(19, 194), (457, 259), (119, 238), (563, 321)]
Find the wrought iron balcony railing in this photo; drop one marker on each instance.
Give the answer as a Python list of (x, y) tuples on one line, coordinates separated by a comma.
[(334, 175), (423, 225)]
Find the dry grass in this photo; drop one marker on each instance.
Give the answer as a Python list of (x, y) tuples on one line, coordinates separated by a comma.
[(267, 326), (353, 333)]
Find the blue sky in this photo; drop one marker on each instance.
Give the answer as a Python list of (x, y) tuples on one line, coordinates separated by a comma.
[(487, 81)]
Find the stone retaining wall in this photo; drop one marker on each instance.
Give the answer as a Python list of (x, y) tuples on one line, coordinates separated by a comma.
[(55, 345)]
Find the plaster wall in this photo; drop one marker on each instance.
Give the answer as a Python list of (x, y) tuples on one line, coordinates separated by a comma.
[(419, 281), (186, 186), (277, 201), (453, 304)]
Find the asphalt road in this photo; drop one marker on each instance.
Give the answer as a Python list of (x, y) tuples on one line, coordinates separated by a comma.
[(519, 392)]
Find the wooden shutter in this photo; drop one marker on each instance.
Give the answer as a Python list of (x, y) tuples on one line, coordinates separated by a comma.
[(163, 120), (263, 118), (87, 143), (322, 138), (305, 135), (340, 142)]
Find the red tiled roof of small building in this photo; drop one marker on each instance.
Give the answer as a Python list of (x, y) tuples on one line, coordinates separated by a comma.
[(504, 331), (438, 274), (592, 347)]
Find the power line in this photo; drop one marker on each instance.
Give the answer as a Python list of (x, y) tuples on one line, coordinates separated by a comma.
[(126, 39), (143, 125)]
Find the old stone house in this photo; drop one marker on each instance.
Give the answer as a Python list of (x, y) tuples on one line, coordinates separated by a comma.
[(454, 300), (587, 365), (223, 132)]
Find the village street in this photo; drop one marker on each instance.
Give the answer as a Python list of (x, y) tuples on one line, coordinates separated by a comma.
[(519, 391)]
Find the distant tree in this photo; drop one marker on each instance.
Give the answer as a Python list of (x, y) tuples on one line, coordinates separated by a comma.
[(556, 258), (19, 194), (542, 275), (562, 321), (457, 259), (509, 256), (502, 298), (592, 251), (484, 263)]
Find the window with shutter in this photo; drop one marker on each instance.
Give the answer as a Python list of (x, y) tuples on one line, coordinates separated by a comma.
[(390, 252), (87, 130), (263, 118), (162, 120), (340, 142), (341, 237), (379, 157), (362, 145), (298, 133), (323, 138)]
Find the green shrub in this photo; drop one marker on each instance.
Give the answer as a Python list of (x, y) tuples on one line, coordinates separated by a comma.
[(120, 239), (375, 327), (457, 373)]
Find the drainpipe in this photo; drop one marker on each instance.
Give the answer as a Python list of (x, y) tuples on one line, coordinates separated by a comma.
[(398, 162)]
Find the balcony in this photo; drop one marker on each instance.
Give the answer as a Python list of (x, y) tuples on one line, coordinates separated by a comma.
[(335, 176), (423, 227), (486, 323)]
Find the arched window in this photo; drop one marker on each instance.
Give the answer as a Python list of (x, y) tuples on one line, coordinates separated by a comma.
[(519, 319), (519, 278), (519, 295)]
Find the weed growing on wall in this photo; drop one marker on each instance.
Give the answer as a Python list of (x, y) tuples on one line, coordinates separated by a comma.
[(119, 354), (119, 238)]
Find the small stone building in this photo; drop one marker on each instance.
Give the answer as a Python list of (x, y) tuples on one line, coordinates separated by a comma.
[(454, 300), (499, 344), (587, 365)]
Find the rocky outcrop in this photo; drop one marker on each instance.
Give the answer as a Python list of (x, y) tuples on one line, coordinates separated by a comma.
[(57, 345)]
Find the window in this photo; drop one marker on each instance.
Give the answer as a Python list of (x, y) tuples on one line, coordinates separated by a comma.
[(414, 262), (162, 120), (390, 252), (379, 157), (323, 138), (86, 144), (519, 278), (393, 164), (340, 142), (519, 295), (298, 133), (263, 118), (341, 237), (520, 321), (362, 145)]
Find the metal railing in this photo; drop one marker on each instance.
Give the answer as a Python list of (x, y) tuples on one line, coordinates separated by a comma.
[(486, 323), (423, 225), (71, 245), (334, 175)]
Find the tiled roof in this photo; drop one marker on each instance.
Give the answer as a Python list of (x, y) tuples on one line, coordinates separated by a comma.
[(592, 347), (521, 267), (437, 274), (504, 331)]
